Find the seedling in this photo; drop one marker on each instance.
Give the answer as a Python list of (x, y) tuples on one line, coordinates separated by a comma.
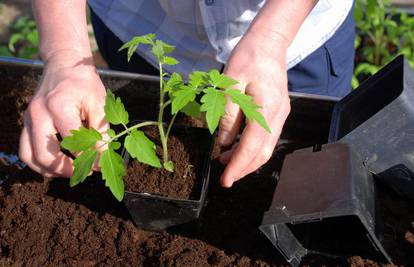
[(214, 89)]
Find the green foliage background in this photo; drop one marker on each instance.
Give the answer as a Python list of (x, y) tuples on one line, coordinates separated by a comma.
[(383, 32)]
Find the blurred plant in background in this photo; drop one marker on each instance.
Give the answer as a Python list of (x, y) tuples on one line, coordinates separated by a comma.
[(382, 32), (24, 39)]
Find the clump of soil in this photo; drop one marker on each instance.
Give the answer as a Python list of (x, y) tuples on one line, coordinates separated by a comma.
[(186, 180)]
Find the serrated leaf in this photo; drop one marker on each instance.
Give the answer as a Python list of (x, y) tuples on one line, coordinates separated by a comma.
[(192, 109), (198, 78), (113, 169), (173, 82), (142, 148), (82, 166), (133, 44), (221, 80), (115, 112), (214, 102), (248, 106), (81, 140), (182, 97), (158, 50), (170, 61), (167, 48)]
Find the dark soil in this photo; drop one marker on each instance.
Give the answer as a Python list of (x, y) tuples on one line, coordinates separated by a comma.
[(186, 180), (44, 222)]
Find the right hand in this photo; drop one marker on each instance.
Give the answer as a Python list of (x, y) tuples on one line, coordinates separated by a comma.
[(70, 94)]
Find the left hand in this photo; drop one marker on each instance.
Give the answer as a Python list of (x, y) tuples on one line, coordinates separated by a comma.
[(261, 71)]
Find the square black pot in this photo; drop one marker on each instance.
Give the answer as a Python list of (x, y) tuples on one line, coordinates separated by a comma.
[(377, 121), (324, 203), (154, 212)]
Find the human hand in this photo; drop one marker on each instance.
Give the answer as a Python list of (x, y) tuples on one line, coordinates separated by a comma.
[(261, 72), (70, 94)]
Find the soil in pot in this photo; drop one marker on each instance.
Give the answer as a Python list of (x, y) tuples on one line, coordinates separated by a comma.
[(46, 223), (186, 151)]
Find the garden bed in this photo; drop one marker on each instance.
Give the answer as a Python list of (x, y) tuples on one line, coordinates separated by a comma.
[(45, 222)]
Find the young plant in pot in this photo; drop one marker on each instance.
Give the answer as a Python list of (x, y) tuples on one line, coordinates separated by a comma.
[(155, 162)]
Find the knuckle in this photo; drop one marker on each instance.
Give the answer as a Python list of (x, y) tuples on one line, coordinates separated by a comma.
[(267, 153), (287, 108), (40, 157), (34, 108), (24, 155)]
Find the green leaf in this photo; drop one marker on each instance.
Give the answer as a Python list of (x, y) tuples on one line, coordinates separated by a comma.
[(81, 140), (83, 166), (115, 145), (198, 78), (170, 61), (133, 44), (214, 102), (115, 112), (158, 50), (221, 80), (173, 82), (248, 106), (13, 40), (192, 109), (111, 133), (167, 48), (182, 97), (142, 148), (113, 169)]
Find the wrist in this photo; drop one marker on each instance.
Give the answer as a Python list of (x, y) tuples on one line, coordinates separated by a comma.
[(271, 42), (67, 58)]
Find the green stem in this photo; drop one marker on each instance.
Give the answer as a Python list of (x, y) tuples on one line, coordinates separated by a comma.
[(160, 117), (166, 104), (136, 126), (170, 125)]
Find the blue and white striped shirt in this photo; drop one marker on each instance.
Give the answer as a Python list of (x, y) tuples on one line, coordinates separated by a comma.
[(206, 31)]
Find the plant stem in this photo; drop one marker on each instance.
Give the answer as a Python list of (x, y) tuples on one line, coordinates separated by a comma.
[(170, 125), (127, 130), (160, 117)]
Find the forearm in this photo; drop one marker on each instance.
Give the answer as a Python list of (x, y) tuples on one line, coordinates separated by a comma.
[(277, 23), (62, 29)]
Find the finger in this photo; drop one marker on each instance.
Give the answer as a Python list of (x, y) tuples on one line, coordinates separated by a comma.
[(231, 121), (226, 156), (250, 143), (269, 143), (252, 152), (65, 112), (95, 115), (46, 148), (26, 154)]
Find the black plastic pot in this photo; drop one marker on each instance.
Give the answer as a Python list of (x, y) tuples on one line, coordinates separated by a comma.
[(324, 203), (326, 195), (377, 121), (154, 212)]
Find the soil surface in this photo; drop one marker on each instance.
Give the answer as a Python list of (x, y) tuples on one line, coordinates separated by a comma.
[(186, 180), (44, 222)]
